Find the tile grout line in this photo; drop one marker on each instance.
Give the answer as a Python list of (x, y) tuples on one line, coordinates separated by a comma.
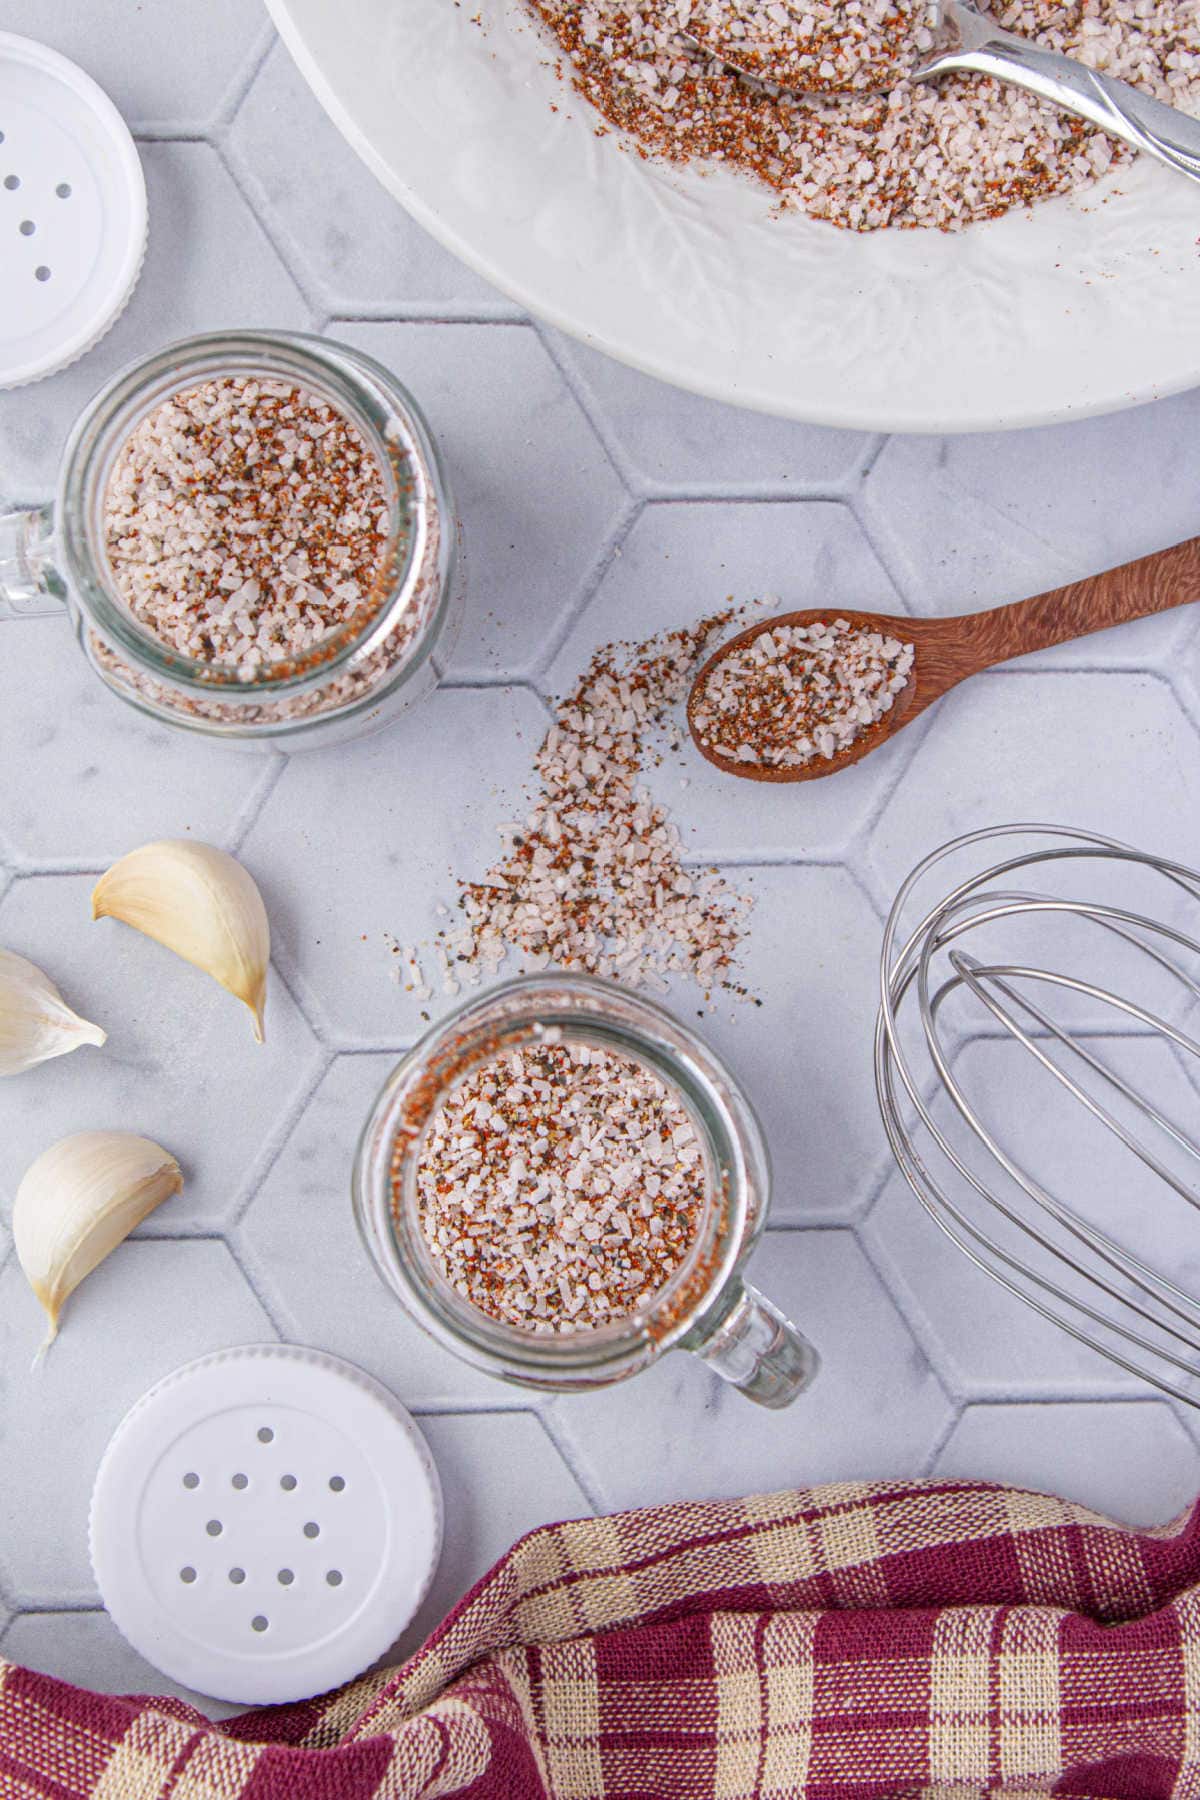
[(277, 1143), (231, 162), (151, 133), (238, 91), (678, 494), (48, 868), (735, 493), (463, 1409), (775, 860), (484, 684), (1068, 1395), (879, 444), (255, 802), (622, 530), (584, 399), (566, 1452), (930, 1461), (419, 313), (25, 1608), (861, 518)]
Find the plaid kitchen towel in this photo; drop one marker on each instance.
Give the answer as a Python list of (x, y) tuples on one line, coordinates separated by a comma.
[(942, 1639)]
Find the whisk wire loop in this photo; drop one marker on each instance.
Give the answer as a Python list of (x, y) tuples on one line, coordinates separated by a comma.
[(1110, 1252), (1068, 1267), (1132, 1143)]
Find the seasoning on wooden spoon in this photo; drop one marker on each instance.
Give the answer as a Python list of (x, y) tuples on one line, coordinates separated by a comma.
[(796, 693), (804, 695)]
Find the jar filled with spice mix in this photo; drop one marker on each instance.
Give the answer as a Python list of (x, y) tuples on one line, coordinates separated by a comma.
[(254, 538), (561, 1183)]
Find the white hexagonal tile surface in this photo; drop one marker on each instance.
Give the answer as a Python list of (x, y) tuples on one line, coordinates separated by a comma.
[(673, 440), (86, 1649), (1111, 753), (89, 745), (596, 505), (875, 1406), (301, 1247), (502, 1477), (981, 1338), (149, 1307), (973, 522), (800, 1047), (344, 236), (538, 497), (1133, 1462), (180, 1065), (145, 57), (369, 843), (1074, 511)]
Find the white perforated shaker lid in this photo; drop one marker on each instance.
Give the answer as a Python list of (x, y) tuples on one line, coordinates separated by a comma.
[(72, 211), (264, 1524)]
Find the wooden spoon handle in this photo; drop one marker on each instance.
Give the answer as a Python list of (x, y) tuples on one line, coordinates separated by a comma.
[(1132, 591)]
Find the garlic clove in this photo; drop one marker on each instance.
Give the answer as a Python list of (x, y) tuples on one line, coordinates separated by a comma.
[(78, 1201), (35, 1021), (201, 903)]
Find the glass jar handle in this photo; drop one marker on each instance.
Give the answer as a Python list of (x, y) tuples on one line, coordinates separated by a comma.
[(29, 582), (751, 1345)]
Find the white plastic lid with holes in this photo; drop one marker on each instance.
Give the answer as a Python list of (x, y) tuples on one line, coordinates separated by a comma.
[(265, 1522), (72, 211)]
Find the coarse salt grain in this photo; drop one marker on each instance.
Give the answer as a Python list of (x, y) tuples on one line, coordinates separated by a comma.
[(940, 154), (798, 693), (559, 1187)]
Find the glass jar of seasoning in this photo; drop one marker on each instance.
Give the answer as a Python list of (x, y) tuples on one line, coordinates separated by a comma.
[(254, 538), (506, 1044)]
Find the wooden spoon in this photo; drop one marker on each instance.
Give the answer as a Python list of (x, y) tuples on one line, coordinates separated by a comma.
[(948, 650)]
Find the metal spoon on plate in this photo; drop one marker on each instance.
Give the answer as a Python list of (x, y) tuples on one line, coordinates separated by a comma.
[(948, 650), (964, 39)]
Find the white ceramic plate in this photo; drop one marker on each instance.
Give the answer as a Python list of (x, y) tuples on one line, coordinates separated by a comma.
[(1080, 307)]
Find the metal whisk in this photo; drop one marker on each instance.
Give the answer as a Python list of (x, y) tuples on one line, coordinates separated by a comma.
[(1069, 1248)]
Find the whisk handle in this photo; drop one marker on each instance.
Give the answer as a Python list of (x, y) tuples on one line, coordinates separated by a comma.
[(1151, 584)]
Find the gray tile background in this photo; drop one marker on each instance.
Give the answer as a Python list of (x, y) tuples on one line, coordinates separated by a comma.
[(596, 504)]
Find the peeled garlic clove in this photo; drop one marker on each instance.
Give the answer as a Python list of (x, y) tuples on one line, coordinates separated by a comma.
[(78, 1201), (200, 903), (35, 1021)]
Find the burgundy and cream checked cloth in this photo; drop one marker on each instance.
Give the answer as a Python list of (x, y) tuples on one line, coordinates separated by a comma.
[(946, 1639)]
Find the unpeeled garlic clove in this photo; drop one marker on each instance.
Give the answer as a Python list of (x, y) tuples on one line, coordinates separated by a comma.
[(199, 902), (77, 1202), (35, 1021)]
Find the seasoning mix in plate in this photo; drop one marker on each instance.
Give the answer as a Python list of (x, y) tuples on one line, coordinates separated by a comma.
[(944, 154), (560, 1186)]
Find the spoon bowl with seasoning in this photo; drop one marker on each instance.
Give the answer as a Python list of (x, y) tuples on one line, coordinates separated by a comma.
[(805, 694), (919, 43)]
